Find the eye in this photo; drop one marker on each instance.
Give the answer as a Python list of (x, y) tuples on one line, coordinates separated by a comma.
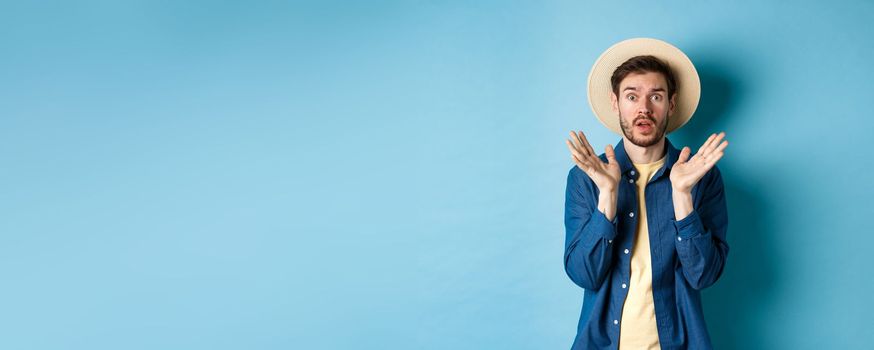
[(631, 97), (656, 97)]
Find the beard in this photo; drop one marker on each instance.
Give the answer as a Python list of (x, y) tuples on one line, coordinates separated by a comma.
[(644, 141)]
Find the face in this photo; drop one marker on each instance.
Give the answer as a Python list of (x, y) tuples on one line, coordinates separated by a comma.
[(643, 107)]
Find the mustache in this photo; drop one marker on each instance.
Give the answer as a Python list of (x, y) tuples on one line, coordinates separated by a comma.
[(643, 117)]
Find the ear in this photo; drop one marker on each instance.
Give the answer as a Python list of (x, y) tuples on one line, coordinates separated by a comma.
[(673, 103), (614, 102)]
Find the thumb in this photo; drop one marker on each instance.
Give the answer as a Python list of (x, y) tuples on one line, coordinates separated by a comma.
[(684, 155), (611, 156)]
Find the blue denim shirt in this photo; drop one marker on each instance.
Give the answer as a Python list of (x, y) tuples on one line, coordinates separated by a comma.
[(687, 255)]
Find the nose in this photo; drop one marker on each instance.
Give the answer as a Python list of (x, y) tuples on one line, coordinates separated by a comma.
[(644, 107)]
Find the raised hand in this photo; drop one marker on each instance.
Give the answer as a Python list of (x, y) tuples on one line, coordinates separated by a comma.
[(605, 175), (686, 172)]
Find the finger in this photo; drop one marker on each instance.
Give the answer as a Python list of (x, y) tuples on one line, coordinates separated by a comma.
[(588, 146), (722, 146), (573, 148), (584, 165), (611, 156), (574, 144), (577, 160), (578, 151), (684, 155), (714, 143), (703, 146), (578, 144), (711, 160), (713, 157), (717, 154)]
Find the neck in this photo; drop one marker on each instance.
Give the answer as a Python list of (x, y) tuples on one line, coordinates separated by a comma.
[(643, 155)]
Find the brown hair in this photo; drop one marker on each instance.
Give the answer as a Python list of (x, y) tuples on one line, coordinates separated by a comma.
[(643, 64)]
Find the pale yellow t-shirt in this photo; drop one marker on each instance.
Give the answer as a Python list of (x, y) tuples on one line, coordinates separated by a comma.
[(638, 328)]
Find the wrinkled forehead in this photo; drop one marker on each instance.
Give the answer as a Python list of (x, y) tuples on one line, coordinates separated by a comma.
[(646, 81)]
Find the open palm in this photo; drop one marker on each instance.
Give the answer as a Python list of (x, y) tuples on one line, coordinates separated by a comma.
[(686, 172), (605, 175)]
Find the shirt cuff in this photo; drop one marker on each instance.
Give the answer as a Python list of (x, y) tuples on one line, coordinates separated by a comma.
[(690, 226), (602, 228)]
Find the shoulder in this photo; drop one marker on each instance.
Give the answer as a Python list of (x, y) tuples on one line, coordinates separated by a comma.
[(575, 174), (578, 178), (714, 173), (578, 181), (712, 180)]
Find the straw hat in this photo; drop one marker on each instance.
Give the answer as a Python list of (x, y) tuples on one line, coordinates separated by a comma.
[(688, 85)]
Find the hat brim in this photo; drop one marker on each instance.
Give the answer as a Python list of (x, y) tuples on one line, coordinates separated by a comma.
[(686, 76)]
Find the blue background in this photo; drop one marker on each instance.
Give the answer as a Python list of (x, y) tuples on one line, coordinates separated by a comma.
[(391, 175)]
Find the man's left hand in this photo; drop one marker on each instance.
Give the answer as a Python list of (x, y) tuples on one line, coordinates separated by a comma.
[(686, 172)]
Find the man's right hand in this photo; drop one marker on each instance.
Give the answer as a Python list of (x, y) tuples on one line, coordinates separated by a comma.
[(605, 175)]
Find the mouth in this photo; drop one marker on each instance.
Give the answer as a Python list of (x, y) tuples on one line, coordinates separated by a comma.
[(644, 126)]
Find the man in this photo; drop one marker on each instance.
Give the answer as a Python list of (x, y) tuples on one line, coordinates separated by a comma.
[(645, 224)]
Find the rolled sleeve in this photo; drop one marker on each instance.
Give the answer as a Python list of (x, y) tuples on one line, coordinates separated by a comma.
[(600, 228), (690, 226), (589, 235), (701, 236)]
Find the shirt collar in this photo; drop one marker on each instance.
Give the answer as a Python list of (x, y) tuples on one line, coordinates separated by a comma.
[(626, 167)]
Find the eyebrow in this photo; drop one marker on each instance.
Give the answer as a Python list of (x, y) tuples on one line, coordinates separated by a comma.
[(658, 89)]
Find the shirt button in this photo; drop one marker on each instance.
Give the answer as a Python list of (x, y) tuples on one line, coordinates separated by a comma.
[(624, 285), (626, 251), (615, 321), (679, 238), (609, 241), (631, 181), (632, 172), (631, 214)]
